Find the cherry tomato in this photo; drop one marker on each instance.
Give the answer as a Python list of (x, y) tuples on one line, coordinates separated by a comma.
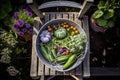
[(50, 29), (67, 52)]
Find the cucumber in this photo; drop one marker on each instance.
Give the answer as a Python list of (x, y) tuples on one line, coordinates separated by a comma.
[(44, 52)]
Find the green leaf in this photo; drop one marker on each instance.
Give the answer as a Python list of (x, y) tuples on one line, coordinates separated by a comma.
[(101, 22), (109, 14), (110, 24), (101, 5), (97, 14)]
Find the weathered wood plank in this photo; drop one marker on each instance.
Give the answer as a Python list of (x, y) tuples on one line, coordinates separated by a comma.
[(86, 5), (52, 16), (86, 64), (34, 8), (29, 1), (42, 77), (65, 16), (33, 69), (40, 68), (59, 15)]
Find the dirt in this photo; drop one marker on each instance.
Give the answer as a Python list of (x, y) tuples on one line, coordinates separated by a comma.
[(105, 47)]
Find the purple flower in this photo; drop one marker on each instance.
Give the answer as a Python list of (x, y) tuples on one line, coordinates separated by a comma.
[(30, 31), (20, 22), (29, 13), (24, 30), (15, 26), (25, 10), (20, 33), (27, 25), (15, 15)]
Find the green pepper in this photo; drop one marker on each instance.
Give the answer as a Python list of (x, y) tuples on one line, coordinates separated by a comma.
[(70, 61), (62, 58), (44, 52)]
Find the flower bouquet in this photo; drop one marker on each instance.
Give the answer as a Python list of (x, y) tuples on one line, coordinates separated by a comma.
[(23, 23)]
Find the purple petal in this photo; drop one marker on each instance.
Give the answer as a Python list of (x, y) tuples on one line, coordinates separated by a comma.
[(20, 33), (15, 26), (20, 22), (29, 13), (27, 25), (30, 31), (25, 10), (24, 30)]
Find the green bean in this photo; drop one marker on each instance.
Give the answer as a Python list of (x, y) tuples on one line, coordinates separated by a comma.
[(70, 61)]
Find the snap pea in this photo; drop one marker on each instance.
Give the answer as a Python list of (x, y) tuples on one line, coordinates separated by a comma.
[(44, 52), (62, 58), (70, 61)]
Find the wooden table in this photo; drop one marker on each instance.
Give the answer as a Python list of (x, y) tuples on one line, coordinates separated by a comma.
[(38, 69)]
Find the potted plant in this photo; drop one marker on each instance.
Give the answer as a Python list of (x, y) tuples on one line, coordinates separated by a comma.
[(105, 15), (22, 23)]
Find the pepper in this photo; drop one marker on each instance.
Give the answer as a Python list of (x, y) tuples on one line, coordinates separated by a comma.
[(70, 61), (44, 52), (62, 58)]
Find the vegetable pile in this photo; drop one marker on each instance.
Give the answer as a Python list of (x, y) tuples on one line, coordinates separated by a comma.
[(62, 44)]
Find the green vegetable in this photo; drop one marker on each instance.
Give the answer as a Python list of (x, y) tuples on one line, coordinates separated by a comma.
[(51, 58), (70, 61), (54, 52), (60, 33), (97, 14), (44, 52), (62, 58)]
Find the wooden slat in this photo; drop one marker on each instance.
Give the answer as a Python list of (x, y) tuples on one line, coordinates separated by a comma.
[(33, 70), (29, 1), (86, 5), (65, 16), (42, 77), (52, 16), (86, 64), (34, 8), (59, 15), (40, 68)]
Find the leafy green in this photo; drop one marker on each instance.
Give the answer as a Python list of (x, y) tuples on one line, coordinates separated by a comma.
[(97, 14), (101, 5), (110, 24), (101, 22), (109, 14), (5, 9)]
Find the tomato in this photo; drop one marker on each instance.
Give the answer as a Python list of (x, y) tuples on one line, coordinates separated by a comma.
[(71, 27), (67, 52), (76, 32), (72, 33), (50, 29), (68, 29), (74, 28)]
